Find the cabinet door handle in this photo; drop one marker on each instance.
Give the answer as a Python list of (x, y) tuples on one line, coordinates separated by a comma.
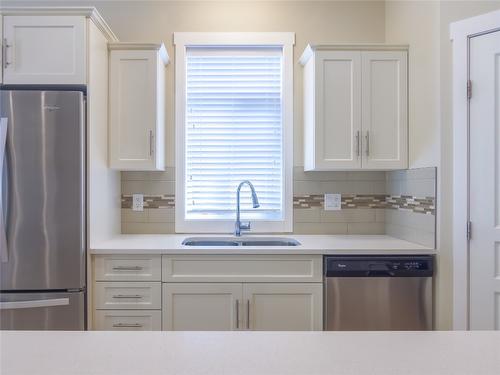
[(151, 143), (137, 296), (237, 314), (357, 143), (127, 325), (127, 268), (6, 45), (367, 143), (248, 314)]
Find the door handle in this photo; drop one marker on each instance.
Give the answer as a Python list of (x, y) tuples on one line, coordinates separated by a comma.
[(5, 45), (357, 143), (248, 314), (151, 143), (4, 253), (237, 314), (34, 304), (367, 143)]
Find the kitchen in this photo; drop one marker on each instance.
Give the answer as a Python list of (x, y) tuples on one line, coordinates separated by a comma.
[(237, 166)]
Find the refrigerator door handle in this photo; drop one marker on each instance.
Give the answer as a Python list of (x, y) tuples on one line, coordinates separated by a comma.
[(4, 254), (34, 304)]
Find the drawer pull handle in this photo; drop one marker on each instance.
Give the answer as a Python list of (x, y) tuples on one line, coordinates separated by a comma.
[(127, 268), (127, 296), (127, 325)]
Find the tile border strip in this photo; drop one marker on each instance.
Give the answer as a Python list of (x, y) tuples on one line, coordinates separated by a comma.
[(350, 201), (425, 205)]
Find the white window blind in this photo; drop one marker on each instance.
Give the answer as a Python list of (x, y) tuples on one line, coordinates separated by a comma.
[(233, 131)]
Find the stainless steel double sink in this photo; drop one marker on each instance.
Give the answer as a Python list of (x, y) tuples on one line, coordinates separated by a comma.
[(236, 241)]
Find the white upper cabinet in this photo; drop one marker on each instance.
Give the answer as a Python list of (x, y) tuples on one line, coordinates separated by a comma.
[(2, 48), (44, 50), (384, 109), (355, 108), (137, 106), (49, 45)]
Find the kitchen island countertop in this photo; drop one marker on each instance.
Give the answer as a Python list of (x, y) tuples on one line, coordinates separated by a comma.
[(252, 353)]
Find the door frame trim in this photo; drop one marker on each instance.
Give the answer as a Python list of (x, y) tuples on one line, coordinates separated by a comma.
[(461, 33)]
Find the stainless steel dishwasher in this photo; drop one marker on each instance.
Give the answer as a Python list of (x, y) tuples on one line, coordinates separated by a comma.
[(370, 293)]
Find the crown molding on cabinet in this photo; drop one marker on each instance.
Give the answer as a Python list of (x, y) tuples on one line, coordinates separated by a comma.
[(89, 12), (311, 48), (160, 47)]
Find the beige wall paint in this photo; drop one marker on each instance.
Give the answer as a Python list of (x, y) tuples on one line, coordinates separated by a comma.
[(417, 24)]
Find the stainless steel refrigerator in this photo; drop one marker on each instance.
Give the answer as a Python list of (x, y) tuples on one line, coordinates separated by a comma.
[(42, 216)]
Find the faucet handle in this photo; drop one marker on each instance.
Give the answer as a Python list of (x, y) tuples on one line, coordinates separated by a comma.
[(245, 226)]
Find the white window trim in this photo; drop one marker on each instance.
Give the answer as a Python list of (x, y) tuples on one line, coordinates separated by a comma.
[(286, 40)]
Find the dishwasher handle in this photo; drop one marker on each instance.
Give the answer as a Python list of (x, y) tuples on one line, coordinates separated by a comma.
[(380, 273)]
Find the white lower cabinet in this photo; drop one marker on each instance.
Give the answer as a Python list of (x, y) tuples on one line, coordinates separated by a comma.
[(284, 307), (242, 306), (201, 306), (127, 320), (189, 292)]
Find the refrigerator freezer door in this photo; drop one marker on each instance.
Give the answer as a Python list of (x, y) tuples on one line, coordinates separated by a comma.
[(43, 190), (42, 311)]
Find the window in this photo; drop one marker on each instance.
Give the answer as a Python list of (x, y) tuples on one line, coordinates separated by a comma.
[(233, 123)]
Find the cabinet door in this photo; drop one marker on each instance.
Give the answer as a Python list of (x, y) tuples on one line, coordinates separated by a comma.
[(283, 307), (384, 110), (202, 307), (44, 50), (338, 110), (133, 109), (2, 49)]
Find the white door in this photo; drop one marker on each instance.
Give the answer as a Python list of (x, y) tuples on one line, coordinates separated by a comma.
[(338, 110), (384, 110), (133, 109), (283, 307), (485, 182), (44, 50), (202, 306)]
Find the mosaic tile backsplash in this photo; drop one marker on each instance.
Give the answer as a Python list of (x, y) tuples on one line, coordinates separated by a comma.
[(399, 203), (351, 201)]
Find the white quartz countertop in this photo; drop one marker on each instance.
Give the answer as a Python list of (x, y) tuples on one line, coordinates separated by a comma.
[(250, 353), (310, 244)]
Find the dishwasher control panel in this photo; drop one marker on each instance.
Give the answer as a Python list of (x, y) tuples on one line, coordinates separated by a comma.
[(390, 266)]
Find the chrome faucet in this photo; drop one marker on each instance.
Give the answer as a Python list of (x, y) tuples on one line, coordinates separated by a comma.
[(238, 225)]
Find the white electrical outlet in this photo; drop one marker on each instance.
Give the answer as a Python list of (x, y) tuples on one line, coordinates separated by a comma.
[(137, 202), (333, 202)]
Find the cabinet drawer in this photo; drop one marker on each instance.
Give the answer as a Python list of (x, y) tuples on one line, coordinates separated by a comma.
[(121, 320), (241, 268), (121, 295), (127, 267)]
